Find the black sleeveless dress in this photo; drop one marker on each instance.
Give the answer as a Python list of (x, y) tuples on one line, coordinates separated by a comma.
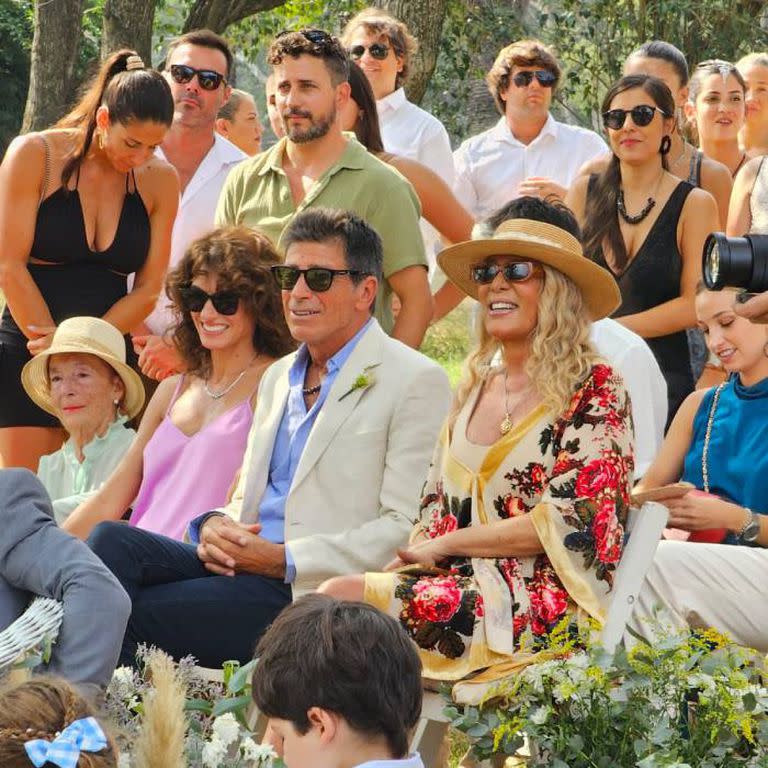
[(76, 281), (651, 278)]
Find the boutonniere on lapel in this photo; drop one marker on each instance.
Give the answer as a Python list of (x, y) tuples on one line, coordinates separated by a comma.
[(363, 381)]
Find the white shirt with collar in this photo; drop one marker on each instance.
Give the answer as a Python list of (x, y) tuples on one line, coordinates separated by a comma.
[(413, 761), (629, 355), (410, 131), (197, 208), (491, 165)]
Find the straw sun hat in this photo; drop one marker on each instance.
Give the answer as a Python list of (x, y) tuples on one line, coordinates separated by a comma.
[(89, 336), (540, 242)]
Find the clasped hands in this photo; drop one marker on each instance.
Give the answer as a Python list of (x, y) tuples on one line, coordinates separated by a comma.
[(698, 512), (227, 547)]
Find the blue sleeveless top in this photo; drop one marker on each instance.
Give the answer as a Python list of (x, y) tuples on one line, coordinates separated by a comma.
[(738, 445)]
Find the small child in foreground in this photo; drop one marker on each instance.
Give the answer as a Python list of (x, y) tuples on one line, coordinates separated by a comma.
[(45, 722), (341, 684)]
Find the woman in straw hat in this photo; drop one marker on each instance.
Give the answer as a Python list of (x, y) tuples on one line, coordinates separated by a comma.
[(524, 506), (230, 328), (83, 380)]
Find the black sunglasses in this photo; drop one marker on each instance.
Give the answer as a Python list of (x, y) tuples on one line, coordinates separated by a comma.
[(209, 79), (642, 115), (524, 79), (316, 36), (224, 302), (514, 272), (318, 279), (377, 50)]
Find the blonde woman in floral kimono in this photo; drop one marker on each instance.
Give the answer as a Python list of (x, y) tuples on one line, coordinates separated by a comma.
[(526, 499)]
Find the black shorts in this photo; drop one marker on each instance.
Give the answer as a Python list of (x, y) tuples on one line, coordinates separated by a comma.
[(16, 408)]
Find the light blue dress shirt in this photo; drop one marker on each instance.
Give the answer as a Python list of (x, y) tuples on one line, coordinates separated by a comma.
[(290, 441)]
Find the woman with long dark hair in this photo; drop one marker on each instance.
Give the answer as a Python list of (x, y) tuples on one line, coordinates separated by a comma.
[(647, 226), (716, 111), (230, 328), (82, 206)]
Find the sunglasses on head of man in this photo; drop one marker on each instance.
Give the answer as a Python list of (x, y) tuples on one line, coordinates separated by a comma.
[(209, 79), (545, 78)]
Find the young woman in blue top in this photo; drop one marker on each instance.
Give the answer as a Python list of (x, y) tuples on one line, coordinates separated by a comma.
[(717, 440)]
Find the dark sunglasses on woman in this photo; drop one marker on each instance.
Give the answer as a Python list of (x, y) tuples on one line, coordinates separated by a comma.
[(524, 79), (642, 115), (318, 279), (224, 302), (514, 272), (377, 50), (209, 79)]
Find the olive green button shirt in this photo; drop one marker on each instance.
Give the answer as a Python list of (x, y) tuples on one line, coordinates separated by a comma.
[(257, 194)]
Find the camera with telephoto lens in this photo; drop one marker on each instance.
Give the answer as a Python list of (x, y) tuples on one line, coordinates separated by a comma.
[(737, 262)]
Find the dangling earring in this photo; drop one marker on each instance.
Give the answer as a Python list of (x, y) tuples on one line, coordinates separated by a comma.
[(100, 139), (666, 143), (765, 349)]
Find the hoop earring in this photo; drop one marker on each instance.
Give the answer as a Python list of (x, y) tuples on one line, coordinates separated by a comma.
[(765, 349), (666, 143)]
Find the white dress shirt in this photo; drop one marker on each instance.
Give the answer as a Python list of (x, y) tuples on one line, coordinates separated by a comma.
[(491, 166), (412, 761), (410, 131), (627, 353), (197, 208)]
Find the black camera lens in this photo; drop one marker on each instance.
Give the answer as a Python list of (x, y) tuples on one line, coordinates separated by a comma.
[(738, 262)]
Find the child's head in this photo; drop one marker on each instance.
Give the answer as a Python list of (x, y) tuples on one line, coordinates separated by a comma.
[(335, 675), (41, 709)]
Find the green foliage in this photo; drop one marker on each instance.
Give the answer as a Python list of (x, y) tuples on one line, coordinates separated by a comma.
[(16, 20), (449, 341), (688, 700)]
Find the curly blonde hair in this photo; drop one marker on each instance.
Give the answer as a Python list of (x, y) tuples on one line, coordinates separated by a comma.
[(561, 354)]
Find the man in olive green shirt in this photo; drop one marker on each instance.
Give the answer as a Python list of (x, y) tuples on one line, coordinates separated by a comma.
[(316, 165)]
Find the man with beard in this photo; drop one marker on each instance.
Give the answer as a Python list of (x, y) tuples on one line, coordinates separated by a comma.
[(316, 165), (197, 67)]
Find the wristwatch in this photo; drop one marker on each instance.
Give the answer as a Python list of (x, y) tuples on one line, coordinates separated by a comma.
[(751, 529)]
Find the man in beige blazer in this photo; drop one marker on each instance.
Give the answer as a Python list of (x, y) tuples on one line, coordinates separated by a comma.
[(340, 445)]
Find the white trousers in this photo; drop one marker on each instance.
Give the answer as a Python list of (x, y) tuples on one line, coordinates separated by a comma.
[(707, 585)]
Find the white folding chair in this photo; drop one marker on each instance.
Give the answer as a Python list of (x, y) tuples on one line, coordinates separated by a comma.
[(644, 526)]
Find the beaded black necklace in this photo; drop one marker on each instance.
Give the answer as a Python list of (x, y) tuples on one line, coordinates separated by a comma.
[(649, 206)]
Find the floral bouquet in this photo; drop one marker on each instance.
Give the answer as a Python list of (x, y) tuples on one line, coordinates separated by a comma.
[(691, 700), (166, 704)]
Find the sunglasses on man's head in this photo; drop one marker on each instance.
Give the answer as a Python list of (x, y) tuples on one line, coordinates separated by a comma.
[(209, 79), (524, 79), (224, 302), (513, 271), (318, 279), (377, 50), (642, 115), (315, 36)]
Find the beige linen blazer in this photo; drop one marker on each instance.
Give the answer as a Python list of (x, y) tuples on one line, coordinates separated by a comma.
[(357, 488)]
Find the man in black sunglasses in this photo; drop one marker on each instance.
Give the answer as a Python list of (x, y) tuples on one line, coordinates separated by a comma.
[(342, 435), (528, 152), (197, 69), (315, 165)]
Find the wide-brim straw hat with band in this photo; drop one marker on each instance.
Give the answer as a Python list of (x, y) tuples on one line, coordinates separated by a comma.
[(540, 242), (88, 336)]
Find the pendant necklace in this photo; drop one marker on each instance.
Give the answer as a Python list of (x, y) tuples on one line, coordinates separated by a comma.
[(218, 395), (507, 423)]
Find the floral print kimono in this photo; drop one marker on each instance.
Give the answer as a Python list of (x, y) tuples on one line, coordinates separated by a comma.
[(573, 475)]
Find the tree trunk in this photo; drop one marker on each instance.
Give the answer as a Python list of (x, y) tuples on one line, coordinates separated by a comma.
[(55, 48), (128, 24), (217, 15), (425, 22)]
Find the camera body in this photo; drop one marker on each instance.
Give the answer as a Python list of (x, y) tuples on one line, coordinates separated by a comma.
[(738, 262)]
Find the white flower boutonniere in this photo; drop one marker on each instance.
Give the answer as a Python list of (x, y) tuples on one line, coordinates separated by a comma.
[(363, 381)]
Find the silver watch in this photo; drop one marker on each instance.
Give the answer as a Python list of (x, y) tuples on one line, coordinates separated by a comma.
[(751, 529)]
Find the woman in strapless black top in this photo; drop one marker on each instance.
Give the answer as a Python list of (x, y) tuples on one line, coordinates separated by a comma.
[(82, 206), (647, 226)]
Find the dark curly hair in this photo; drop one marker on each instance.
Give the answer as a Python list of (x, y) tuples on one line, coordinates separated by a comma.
[(241, 259), (39, 709)]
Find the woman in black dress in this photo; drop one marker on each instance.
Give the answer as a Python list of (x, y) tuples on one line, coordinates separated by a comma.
[(82, 206), (647, 226)]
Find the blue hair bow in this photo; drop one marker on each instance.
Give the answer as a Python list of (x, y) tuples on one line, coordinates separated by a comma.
[(83, 735)]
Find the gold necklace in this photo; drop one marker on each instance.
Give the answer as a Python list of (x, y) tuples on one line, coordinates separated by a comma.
[(507, 423)]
